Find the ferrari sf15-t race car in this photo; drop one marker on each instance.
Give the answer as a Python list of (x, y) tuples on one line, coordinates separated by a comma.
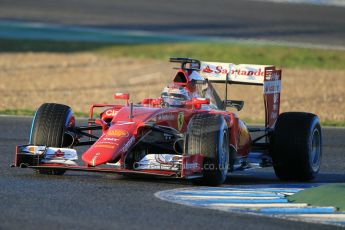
[(187, 132)]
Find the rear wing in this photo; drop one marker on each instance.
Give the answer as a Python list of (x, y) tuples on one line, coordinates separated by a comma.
[(265, 75), (246, 74)]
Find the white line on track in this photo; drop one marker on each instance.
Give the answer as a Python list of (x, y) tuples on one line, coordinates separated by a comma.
[(339, 3), (258, 206), (269, 200), (197, 197), (328, 217)]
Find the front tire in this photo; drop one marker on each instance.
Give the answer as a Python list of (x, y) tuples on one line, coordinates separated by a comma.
[(296, 146), (208, 134), (48, 128)]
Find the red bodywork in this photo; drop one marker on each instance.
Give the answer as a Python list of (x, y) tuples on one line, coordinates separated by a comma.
[(112, 146), (124, 125)]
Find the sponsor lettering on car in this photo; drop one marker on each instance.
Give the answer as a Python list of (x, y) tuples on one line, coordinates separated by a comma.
[(111, 112), (128, 144), (222, 70), (166, 117), (118, 133), (191, 166), (112, 139), (107, 146)]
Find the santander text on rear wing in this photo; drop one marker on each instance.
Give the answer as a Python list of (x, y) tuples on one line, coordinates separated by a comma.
[(237, 74), (266, 75)]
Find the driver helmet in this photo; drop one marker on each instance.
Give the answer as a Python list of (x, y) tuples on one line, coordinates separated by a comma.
[(175, 95)]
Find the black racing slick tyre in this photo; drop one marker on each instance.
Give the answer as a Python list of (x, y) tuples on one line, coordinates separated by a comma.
[(296, 146), (208, 134), (48, 128)]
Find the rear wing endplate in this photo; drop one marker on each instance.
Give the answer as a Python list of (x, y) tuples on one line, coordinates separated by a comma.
[(272, 89), (266, 75)]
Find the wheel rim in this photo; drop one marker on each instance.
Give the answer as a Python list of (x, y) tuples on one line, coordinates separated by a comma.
[(315, 153)]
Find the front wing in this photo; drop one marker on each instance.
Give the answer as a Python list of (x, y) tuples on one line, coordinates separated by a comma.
[(191, 165)]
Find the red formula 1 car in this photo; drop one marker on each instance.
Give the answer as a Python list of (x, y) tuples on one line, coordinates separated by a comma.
[(185, 133)]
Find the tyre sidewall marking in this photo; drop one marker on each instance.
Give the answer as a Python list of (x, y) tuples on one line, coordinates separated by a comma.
[(223, 157), (314, 128), (32, 127)]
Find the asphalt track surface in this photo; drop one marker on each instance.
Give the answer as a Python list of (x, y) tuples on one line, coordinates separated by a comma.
[(103, 201), (306, 23)]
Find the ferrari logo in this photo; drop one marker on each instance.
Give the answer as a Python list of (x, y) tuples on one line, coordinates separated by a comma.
[(180, 120)]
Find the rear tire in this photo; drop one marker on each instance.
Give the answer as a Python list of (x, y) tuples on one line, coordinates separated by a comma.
[(296, 146), (48, 128), (208, 134)]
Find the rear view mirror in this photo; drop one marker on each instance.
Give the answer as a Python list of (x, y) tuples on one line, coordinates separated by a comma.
[(122, 96), (196, 103), (200, 101)]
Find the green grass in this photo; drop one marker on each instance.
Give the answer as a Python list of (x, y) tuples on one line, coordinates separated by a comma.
[(14, 45), (326, 195), (226, 52), (28, 112), (279, 56), (22, 112), (333, 123)]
